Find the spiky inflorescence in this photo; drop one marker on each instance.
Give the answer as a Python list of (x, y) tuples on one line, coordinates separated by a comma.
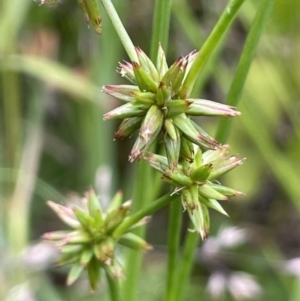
[(153, 106), (196, 182), (90, 245)]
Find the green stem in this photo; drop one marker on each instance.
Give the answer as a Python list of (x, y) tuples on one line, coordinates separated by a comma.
[(114, 287), (186, 264), (175, 221), (160, 28), (121, 31), (244, 64), (151, 208), (209, 46), (160, 34), (141, 199), (142, 195)]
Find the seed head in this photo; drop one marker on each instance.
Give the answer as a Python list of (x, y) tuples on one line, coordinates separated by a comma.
[(195, 181), (154, 92), (90, 245)]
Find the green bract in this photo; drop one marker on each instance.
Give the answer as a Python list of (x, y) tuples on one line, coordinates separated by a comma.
[(153, 106), (195, 181), (90, 245)]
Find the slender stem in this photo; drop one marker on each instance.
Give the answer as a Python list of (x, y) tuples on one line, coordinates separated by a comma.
[(161, 24), (160, 28), (141, 199), (144, 174), (151, 208), (186, 264), (114, 287), (210, 45), (243, 67), (175, 221), (121, 31)]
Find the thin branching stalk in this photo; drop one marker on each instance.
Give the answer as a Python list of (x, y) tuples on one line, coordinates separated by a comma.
[(160, 28), (114, 287), (143, 187), (244, 64), (174, 231), (186, 264), (122, 33), (141, 199), (210, 45), (148, 210)]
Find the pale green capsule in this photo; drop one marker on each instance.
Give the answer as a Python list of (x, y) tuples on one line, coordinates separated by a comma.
[(214, 204), (161, 62), (92, 13), (208, 192), (172, 150), (94, 273), (202, 173), (134, 242), (74, 273)]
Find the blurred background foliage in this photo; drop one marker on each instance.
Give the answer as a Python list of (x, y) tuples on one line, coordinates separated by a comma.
[(54, 145)]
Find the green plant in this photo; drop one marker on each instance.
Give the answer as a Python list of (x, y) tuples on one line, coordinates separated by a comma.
[(160, 107)]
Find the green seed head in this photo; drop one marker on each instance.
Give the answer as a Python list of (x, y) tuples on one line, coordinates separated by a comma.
[(158, 86), (90, 245), (195, 181)]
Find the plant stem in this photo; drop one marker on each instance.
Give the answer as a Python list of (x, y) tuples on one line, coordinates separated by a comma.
[(151, 208), (160, 28), (186, 264), (210, 45), (141, 198), (121, 31), (114, 287), (175, 221), (244, 64)]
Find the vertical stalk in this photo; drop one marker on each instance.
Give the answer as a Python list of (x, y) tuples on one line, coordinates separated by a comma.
[(161, 24), (244, 64), (121, 31), (209, 46), (142, 189), (114, 287), (141, 198), (174, 230), (160, 27), (186, 264)]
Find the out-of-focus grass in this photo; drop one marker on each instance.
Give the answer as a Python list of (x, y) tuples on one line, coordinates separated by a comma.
[(53, 139)]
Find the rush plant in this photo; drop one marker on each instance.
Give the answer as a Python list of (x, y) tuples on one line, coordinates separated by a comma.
[(159, 107)]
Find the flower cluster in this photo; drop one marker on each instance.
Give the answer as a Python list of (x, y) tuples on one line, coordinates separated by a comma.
[(196, 181), (153, 105), (91, 244)]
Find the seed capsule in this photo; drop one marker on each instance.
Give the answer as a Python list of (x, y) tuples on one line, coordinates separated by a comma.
[(92, 13)]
